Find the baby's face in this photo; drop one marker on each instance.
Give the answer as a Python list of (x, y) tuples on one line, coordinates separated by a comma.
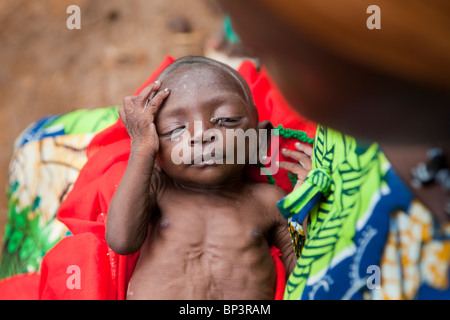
[(192, 125)]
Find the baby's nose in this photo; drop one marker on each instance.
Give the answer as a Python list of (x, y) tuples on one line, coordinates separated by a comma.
[(202, 132)]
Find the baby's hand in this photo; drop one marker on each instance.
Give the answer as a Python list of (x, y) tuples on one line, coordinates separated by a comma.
[(303, 157), (138, 115)]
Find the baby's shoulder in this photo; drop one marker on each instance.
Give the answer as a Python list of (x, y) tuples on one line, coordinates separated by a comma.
[(159, 181), (267, 193), (265, 201)]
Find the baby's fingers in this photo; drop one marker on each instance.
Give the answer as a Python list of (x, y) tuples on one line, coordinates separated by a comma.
[(122, 115), (299, 156), (141, 99), (295, 169), (127, 108), (154, 103), (304, 148), (292, 167)]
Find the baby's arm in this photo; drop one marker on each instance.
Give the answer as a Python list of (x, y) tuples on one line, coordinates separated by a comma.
[(279, 235), (134, 201), (282, 241)]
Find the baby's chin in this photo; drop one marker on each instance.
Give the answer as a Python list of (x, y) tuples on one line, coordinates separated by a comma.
[(204, 175)]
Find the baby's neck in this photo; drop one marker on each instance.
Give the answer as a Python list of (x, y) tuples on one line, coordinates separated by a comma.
[(230, 185)]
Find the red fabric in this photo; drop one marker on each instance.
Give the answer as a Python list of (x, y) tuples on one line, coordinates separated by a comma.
[(20, 287), (103, 273), (281, 273), (272, 106)]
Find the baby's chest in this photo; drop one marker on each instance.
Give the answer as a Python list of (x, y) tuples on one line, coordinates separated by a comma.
[(213, 222)]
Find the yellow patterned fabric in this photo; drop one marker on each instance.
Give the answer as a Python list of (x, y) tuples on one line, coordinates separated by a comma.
[(413, 256)]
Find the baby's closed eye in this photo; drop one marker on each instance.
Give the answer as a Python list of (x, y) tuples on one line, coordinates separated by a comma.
[(172, 131), (226, 121)]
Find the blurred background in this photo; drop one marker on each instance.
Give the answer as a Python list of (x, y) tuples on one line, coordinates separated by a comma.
[(47, 69)]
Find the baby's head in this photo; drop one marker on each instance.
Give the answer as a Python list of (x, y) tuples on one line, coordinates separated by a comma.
[(207, 100), (224, 74)]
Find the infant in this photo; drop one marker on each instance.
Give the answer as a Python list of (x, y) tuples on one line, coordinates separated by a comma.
[(202, 229)]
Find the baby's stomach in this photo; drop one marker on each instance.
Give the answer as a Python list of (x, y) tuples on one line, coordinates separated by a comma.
[(233, 270)]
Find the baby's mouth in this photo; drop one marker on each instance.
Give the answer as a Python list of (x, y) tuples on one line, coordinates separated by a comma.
[(204, 160)]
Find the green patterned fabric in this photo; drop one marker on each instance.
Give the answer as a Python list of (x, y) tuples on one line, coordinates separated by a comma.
[(351, 193)]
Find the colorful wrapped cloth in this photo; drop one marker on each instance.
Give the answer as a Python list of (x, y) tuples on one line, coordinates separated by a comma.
[(104, 274), (46, 161), (367, 238), (47, 158)]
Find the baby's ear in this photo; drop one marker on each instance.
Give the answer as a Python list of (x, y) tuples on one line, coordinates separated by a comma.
[(266, 124), (264, 129)]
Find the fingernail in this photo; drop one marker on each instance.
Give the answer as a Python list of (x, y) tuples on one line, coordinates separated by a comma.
[(157, 82), (166, 90), (283, 149), (297, 144), (277, 163)]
